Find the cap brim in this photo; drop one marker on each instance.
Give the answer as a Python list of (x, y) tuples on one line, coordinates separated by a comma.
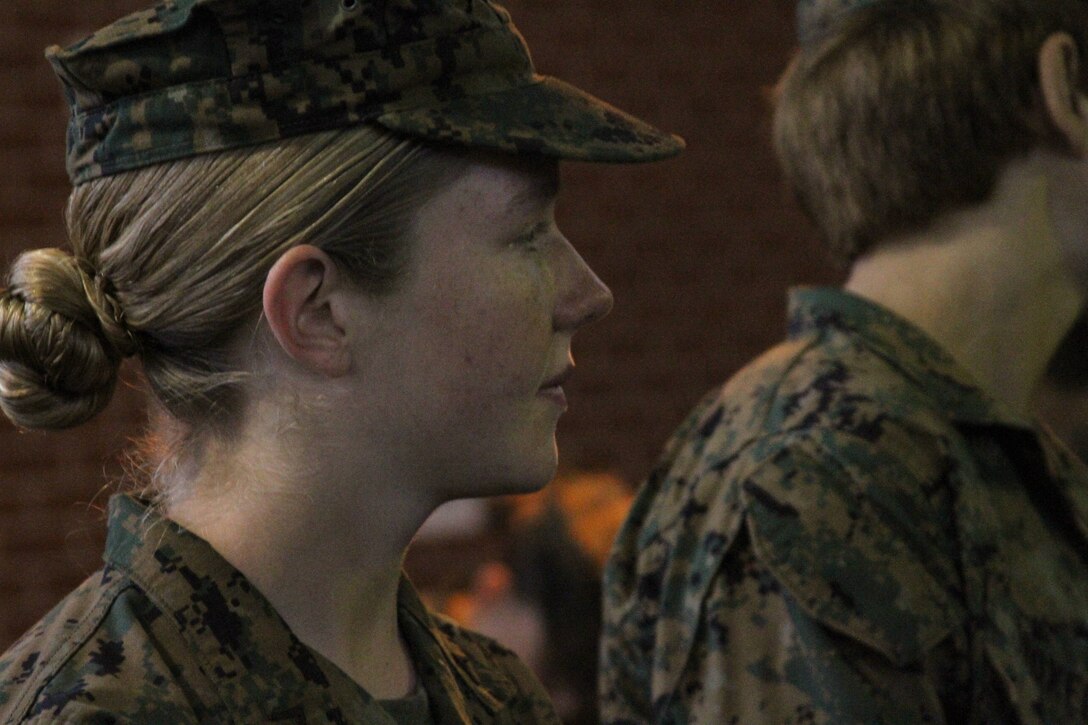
[(547, 117)]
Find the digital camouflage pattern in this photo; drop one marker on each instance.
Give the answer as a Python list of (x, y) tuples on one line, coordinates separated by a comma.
[(194, 76), (169, 633), (850, 531)]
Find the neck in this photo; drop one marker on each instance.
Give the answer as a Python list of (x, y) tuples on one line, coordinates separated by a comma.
[(989, 284), (325, 547)]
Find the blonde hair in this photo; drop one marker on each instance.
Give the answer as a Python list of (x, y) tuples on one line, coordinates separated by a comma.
[(168, 263)]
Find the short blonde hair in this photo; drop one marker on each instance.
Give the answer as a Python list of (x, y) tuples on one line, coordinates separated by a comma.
[(168, 263)]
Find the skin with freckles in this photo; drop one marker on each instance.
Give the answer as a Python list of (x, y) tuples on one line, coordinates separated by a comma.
[(327, 230), (459, 363), (445, 387), (277, 568)]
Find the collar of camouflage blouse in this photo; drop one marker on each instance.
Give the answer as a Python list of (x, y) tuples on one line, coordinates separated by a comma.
[(188, 77)]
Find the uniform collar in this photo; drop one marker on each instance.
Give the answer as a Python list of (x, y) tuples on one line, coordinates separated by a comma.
[(916, 355), (261, 671), (446, 669), (950, 388)]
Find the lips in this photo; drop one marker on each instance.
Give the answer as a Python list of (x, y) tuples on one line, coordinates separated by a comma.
[(552, 389), (557, 380)]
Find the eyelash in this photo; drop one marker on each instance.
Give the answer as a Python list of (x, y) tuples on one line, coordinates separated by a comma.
[(530, 237)]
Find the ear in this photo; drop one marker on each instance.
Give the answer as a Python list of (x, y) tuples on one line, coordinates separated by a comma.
[(1059, 82), (303, 307)]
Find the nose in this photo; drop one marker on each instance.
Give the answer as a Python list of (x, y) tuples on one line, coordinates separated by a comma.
[(583, 298)]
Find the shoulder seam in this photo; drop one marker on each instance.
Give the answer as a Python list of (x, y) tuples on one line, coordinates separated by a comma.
[(49, 667), (786, 370)]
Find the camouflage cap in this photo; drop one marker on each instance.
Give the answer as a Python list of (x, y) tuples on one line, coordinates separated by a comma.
[(194, 76), (815, 17)]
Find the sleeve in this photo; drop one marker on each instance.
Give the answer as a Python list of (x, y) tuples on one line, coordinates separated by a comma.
[(100, 667), (636, 603), (833, 602)]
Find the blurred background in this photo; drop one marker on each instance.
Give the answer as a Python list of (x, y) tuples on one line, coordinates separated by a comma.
[(699, 252)]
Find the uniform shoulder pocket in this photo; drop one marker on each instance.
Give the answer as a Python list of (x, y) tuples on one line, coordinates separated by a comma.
[(845, 541)]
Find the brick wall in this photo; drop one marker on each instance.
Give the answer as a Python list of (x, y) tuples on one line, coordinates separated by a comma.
[(698, 250)]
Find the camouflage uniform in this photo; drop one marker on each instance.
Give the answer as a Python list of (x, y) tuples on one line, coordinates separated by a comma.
[(851, 531), (169, 632)]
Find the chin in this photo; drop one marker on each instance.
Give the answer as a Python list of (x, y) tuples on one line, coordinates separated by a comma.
[(531, 478), (526, 474), (532, 472)]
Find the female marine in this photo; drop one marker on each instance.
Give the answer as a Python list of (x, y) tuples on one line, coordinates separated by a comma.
[(326, 230)]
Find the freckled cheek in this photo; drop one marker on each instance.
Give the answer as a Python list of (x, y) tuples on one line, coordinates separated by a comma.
[(503, 348), (498, 362)]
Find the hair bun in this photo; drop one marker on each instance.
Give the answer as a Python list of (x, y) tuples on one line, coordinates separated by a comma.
[(62, 338)]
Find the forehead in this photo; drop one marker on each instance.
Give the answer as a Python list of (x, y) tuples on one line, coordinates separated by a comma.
[(461, 232), (494, 196), (501, 184)]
